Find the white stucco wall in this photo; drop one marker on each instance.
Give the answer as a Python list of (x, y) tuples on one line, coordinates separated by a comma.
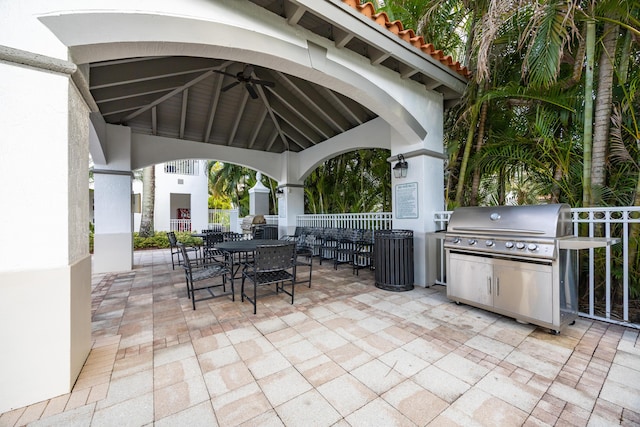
[(44, 145), (191, 190), (45, 302)]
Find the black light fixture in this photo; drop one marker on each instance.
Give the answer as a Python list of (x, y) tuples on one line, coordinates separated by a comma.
[(279, 192), (400, 169)]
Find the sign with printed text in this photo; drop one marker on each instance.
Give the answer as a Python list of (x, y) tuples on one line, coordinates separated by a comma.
[(407, 200)]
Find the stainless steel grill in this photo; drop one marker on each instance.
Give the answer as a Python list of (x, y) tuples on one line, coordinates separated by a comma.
[(249, 221), (519, 261)]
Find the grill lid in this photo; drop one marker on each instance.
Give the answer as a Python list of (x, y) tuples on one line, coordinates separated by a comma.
[(528, 222)]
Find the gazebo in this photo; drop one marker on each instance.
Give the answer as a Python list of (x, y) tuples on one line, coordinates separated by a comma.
[(278, 86)]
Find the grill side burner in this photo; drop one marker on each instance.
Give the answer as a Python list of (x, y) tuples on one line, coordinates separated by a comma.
[(519, 261)]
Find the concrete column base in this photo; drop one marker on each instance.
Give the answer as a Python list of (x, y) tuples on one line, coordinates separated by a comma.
[(46, 336), (115, 252)]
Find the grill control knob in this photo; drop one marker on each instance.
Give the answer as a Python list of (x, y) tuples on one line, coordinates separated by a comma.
[(489, 243), (456, 240), (532, 247), (508, 245), (472, 241), (519, 245)]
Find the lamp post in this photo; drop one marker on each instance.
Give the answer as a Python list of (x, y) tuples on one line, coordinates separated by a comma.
[(400, 169)]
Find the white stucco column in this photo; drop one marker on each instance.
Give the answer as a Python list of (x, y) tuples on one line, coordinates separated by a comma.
[(290, 205), (415, 200), (290, 193), (418, 196), (259, 198), (113, 237), (45, 272)]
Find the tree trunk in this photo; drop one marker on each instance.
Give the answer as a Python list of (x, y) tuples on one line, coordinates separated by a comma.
[(465, 157), (502, 197), (602, 118), (468, 50), (623, 69), (148, 201), (466, 150), (477, 175), (555, 190), (451, 181), (588, 114)]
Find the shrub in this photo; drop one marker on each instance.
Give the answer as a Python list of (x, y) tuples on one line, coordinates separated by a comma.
[(160, 240), (91, 232)]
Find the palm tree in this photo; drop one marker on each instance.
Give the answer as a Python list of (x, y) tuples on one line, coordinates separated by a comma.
[(232, 182), (358, 181), (148, 201)]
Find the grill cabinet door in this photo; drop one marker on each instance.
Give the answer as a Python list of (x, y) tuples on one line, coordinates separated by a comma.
[(524, 289), (470, 279)]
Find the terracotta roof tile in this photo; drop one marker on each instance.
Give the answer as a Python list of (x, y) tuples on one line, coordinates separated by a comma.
[(408, 35), (395, 27)]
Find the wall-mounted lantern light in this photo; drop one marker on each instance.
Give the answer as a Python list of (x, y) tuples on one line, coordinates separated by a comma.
[(400, 169), (279, 193)]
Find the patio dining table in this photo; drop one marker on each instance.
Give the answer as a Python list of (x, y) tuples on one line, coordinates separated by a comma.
[(244, 247)]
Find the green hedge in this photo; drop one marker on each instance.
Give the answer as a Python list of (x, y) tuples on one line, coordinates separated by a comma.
[(158, 241)]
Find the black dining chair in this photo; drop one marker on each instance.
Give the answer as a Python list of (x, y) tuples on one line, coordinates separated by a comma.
[(209, 250), (204, 275), (176, 252), (304, 254), (273, 264)]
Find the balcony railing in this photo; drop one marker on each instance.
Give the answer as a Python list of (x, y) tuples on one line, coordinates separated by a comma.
[(180, 224), (182, 167)]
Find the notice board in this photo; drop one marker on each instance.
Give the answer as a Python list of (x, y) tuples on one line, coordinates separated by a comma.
[(407, 200)]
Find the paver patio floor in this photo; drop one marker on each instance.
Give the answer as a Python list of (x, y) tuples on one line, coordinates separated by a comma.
[(345, 354)]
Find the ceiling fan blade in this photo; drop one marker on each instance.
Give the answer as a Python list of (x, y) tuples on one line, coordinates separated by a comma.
[(225, 73), (229, 86), (247, 72), (252, 91), (263, 83)]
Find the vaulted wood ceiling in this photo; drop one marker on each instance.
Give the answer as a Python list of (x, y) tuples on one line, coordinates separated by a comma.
[(190, 98)]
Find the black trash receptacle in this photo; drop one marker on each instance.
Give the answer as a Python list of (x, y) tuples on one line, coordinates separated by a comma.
[(270, 232), (393, 260), (265, 231)]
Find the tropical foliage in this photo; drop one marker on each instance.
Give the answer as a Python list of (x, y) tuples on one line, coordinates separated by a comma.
[(551, 112), (229, 186), (358, 181)]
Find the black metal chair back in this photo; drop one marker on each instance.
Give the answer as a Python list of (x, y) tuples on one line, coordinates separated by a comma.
[(230, 236), (208, 275), (273, 264), (176, 253), (274, 257)]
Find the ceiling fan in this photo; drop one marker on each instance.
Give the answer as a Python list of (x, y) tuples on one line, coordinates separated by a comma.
[(245, 77)]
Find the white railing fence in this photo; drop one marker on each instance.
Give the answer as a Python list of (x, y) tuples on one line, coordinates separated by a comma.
[(606, 289), (180, 225), (183, 167), (224, 219), (271, 219), (608, 283), (367, 221)]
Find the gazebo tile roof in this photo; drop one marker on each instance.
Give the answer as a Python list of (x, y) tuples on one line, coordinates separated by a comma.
[(408, 35)]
